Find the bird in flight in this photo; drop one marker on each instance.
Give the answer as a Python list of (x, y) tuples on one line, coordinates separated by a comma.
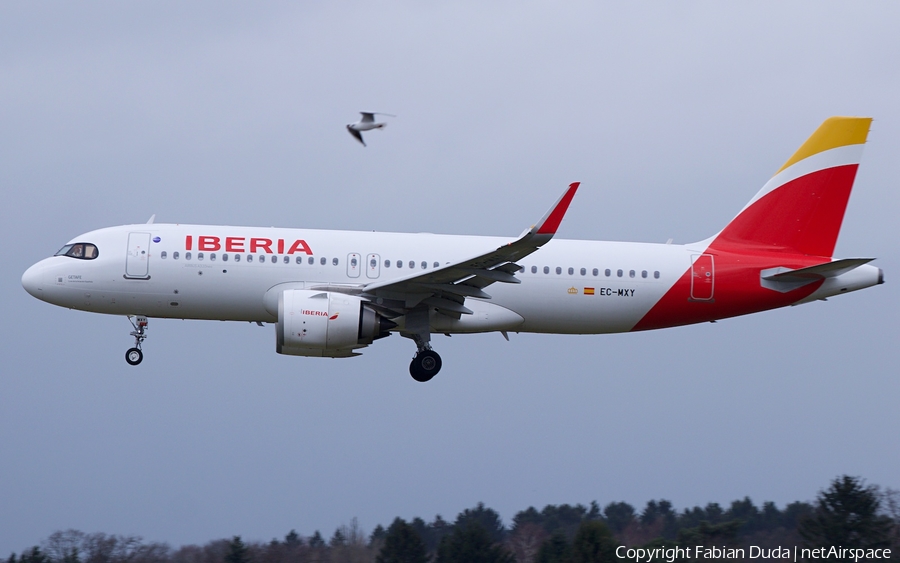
[(367, 123)]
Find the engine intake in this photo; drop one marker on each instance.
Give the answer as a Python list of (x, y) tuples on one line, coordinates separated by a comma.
[(327, 324)]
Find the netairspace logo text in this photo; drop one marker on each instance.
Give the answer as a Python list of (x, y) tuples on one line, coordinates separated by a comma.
[(673, 554)]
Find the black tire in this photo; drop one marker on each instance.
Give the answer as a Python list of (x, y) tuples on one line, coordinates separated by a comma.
[(134, 356), (425, 365)]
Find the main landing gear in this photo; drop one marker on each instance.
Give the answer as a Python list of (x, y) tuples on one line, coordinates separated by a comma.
[(426, 363), (134, 356)]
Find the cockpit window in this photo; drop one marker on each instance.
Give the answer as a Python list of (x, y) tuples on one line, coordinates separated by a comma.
[(80, 250)]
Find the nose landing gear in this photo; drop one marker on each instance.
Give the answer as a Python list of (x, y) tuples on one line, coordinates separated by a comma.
[(134, 356)]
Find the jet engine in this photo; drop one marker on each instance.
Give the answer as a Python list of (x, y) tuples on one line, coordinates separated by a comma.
[(326, 324)]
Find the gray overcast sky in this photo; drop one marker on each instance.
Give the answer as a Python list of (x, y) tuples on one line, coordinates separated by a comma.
[(671, 114)]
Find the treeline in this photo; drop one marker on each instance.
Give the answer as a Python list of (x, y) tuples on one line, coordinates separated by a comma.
[(849, 513)]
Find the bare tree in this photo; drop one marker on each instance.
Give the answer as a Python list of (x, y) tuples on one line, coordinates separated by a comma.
[(525, 541)]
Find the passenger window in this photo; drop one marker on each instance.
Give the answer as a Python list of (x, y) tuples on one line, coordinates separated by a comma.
[(311, 261), (424, 264), (175, 255), (596, 272), (237, 257), (619, 273), (399, 263), (583, 272), (644, 273), (212, 257), (249, 258), (387, 263), (571, 271), (274, 259), (224, 258), (287, 259), (199, 256), (353, 262), (299, 260), (373, 263), (631, 273), (412, 264), (558, 270), (534, 269), (334, 261), (656, 274), (322, 260), (187, 255), (163, 254), (608, 272), (437, 264), (546, 269)]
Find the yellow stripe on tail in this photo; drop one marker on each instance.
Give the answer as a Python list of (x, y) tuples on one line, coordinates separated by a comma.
[(833, 133)]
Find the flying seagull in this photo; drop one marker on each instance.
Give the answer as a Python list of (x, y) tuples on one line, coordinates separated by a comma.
[(367, 123)]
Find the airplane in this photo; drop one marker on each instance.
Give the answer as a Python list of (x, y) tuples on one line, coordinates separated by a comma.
[(332, 293)]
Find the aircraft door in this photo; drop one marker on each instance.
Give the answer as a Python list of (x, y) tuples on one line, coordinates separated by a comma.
[(373, 266), (703, 278), (353, 265), (137, 260)]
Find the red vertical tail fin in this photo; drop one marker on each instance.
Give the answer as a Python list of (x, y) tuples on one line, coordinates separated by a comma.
[(800, 210)]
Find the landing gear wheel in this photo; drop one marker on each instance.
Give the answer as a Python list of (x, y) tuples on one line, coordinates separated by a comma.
[(425, 365), (134, 356)]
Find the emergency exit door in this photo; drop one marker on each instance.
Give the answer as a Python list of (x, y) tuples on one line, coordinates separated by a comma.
[(703, 277)]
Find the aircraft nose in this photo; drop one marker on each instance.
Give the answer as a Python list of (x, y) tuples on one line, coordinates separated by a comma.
[(32, 282)]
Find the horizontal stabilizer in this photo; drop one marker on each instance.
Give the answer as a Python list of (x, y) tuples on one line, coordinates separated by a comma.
[(786, 279)]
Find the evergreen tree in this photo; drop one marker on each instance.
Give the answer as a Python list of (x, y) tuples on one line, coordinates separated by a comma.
[(487, 518), (471, 544), (555, 550), (528, 516), (650, 513), (618, 515), (292, 539), (847, 515), (316, 540), (710, 534), (564, 518), (794, 513), (424, 531), (377, 535), (338, 539), (237, 551), (746, 512), (34, 556), (402, 544), (437, 530), (594, 512), (594, 543)]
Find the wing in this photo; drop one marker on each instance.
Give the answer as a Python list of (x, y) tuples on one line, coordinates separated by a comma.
[(446, 288), (367, 117), (356, 134)]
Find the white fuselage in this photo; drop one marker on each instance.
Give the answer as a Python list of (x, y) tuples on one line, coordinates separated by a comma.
[(236, 273), (218, 280)]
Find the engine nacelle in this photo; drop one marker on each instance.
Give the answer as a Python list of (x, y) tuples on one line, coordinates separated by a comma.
[(327, 324)]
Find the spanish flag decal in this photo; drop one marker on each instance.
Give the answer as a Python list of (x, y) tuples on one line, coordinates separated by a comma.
[(589, 291)]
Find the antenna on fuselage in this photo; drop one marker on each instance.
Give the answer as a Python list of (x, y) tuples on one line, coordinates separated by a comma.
[(151, 219)]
